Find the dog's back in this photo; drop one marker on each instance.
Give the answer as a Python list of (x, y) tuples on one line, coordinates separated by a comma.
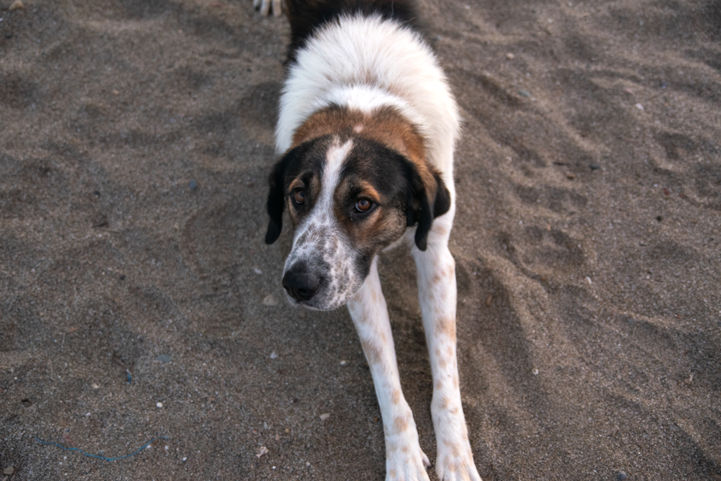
[(363, 55), (305, 16)]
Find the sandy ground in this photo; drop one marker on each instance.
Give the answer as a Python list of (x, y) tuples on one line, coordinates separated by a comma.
[(138, 299)]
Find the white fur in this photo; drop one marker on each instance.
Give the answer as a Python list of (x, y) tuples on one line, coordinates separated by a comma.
[(404, 458), (367, 63)]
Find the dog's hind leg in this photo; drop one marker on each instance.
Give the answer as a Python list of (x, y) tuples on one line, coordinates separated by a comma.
[(405, 461)]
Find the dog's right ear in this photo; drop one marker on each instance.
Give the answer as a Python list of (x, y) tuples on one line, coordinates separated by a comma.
[(276, 200), (276, 192)]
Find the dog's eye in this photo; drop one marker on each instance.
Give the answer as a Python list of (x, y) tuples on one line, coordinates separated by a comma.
[(363, 205), (298, 196)]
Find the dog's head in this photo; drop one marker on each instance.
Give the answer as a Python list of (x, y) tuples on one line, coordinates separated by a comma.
[(348, 197)]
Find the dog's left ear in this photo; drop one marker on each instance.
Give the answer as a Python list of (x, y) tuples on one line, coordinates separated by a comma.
[(429, 199)]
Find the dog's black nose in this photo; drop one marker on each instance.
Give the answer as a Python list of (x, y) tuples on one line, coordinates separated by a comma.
[(301, 283)]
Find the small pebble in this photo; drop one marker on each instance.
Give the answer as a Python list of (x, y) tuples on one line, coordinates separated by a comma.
[(510, 56), (324, 416), (257, 271), (16, 5), (535, 372), (158, 404), (343, 362), (594, 166), (185, 458), (274, 355), (163, 358), (270, 300), (262, 451), (524, 93), (193, 184), (621, 476), (9, 471), (639, 106), (95, 386)]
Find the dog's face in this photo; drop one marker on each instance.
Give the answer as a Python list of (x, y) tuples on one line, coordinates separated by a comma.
[(348, 197)]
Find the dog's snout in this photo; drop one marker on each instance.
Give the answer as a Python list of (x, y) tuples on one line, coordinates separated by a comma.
[(301, 283)]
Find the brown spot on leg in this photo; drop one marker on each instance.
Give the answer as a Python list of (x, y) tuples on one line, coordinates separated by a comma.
[(446, 326), (396, 396), (400, 423), (372, 351)]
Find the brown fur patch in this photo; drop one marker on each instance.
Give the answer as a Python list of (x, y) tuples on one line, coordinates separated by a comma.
[(446, 326), (400, 424), (372, 351), (386, 125), (396, 396), (367, 190)]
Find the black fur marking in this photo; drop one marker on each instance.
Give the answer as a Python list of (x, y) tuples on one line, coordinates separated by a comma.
[(306, 16), (442, 203)]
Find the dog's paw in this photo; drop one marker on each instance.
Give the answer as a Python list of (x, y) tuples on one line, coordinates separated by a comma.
[(455, 462), (266, 7), (407, 464)]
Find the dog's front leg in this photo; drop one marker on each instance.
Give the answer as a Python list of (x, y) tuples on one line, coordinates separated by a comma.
[(437, 295), (405, 461)]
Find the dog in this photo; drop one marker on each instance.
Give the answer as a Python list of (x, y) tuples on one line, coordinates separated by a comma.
[(366, 132)]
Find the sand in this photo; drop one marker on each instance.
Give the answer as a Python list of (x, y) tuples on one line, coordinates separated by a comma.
[(139, 300)]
